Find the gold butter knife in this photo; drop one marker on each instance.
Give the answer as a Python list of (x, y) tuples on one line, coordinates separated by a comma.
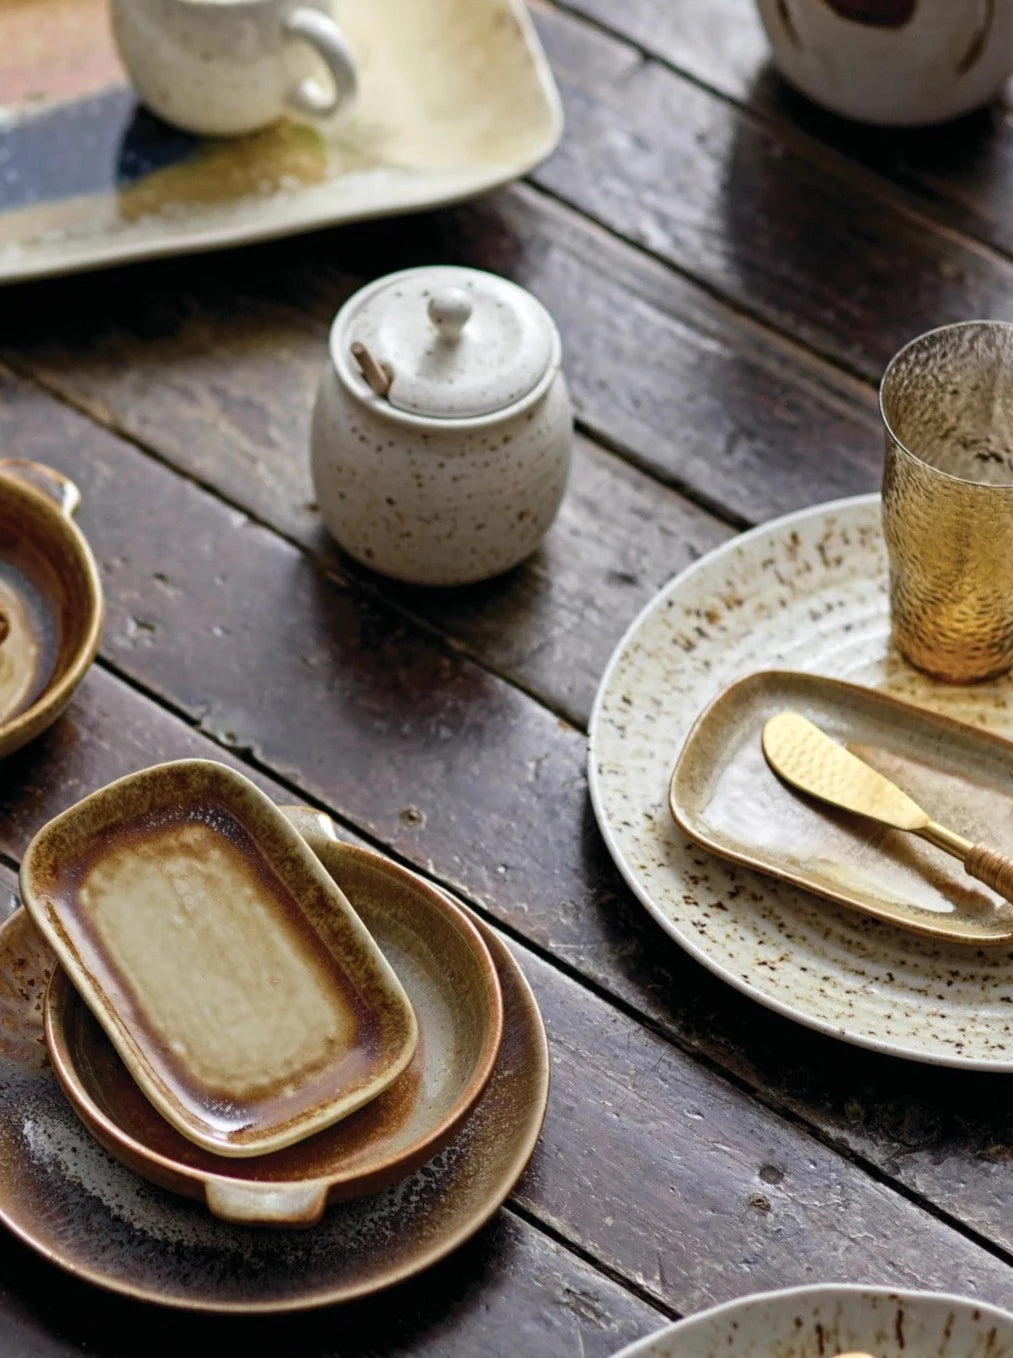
[(810, 760)]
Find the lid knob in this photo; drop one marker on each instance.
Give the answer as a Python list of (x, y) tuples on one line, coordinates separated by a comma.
[(450, 310)]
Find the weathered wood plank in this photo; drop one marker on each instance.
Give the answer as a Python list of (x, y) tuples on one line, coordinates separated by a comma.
[(697, 1204), (962, 172), (509, 1291), (781, 229), (461, 774), (679, 1181), (221, 382), (108, 731), (223, 391)]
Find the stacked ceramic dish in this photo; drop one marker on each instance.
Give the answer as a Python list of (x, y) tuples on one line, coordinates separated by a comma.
[(247, 1011)]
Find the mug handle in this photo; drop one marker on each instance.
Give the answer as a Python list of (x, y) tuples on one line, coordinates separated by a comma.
[(324, 36)]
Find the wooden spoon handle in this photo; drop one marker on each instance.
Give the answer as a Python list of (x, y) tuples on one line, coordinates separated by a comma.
[(994, 869)]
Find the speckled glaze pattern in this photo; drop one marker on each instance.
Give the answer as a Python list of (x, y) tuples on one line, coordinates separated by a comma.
[(892, 62), (438, 501), (65, 1197), (827, 1319), (807, 592), (947, 403), (51, 594), (224, 963), (488, 346), (452, 984), (223, 67)]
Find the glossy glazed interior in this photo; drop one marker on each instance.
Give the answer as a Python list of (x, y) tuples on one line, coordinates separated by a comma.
[(452, 985), (227, 968)]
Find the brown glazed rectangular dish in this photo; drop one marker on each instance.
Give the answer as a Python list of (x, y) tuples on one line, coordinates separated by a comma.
[(236, 982)]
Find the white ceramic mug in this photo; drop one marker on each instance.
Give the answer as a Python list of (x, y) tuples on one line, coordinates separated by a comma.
[(903, 63), (224, 67)]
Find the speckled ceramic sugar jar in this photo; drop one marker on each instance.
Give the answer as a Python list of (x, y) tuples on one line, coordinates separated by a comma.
[(442, 427)]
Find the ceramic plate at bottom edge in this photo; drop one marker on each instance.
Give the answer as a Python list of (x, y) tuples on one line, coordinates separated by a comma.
[(822, 1319)]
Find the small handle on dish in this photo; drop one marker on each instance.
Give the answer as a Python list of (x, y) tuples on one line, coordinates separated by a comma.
[(53, 484), (246, 1203), (309, 823), (324, 36)]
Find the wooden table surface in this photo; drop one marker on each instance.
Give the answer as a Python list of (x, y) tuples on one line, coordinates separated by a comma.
[(730, 270)]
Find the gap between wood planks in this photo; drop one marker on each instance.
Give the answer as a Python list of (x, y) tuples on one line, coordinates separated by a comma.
[(360, 586), (908, 195), (599, 991), (755, 1091), (786, 299), (354, 582)]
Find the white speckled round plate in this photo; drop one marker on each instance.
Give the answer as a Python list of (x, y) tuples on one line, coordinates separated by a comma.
[(805, 592), (814, 1322)]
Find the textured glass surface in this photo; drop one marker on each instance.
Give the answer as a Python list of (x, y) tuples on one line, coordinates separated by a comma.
[(947, 402)]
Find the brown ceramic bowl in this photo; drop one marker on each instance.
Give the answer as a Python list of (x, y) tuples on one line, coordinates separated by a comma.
[(449, 976), (50, 598)]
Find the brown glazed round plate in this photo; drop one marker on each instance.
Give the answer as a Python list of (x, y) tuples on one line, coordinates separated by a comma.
[(448, 974), (50, 600), (67, 1198)]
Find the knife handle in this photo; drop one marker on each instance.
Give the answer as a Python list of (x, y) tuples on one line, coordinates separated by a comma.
[(994, 869)]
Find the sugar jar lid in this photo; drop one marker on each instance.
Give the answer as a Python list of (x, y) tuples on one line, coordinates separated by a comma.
[(444, 342)]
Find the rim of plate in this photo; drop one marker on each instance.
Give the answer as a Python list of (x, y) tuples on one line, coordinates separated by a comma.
[(478, 180), (812, 1290), (735, 545)]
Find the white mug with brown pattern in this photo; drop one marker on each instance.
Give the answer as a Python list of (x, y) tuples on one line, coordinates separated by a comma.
[(903, 63)]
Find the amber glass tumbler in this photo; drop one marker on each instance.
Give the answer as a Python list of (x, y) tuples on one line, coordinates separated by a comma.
[(947, 403)]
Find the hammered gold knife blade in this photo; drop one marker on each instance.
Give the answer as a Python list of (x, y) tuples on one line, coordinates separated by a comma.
[(810, 760)]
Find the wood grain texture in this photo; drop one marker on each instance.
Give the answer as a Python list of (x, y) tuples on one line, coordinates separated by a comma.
[(697, 1147), (184, 357), (253, 642), (679, 1182), (959, 174), (775, 227)]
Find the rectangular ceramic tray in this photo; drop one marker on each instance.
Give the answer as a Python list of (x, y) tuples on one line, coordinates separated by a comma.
[(240, 988), (455, 98), (724, 796)]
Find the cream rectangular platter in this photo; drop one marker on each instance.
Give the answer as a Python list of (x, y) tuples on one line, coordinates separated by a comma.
[(242, 991), (455, 98), (724, 796)]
